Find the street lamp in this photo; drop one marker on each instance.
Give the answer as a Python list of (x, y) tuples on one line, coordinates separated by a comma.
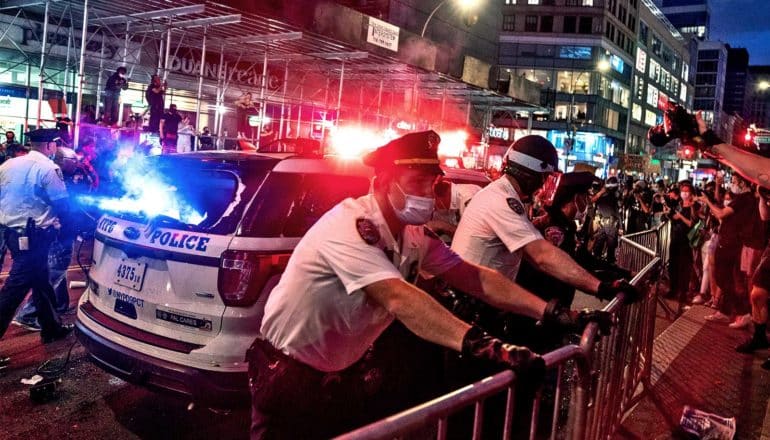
[(465, 5), (764, 85)]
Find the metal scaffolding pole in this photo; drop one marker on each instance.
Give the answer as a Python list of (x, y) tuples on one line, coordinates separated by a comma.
[(299, 111), (160, 57), (81, 78), (125, 57), (339, 92), (200, 79), (168, 50), (99, 82), (283, 101), (220, 90), (42, 66), (28, 92), (262, 105)]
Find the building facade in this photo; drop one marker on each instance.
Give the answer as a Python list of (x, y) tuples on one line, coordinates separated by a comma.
[(662, 71), (758, 96), (736, 81), (603, 67), (710, 63), (690, 17)]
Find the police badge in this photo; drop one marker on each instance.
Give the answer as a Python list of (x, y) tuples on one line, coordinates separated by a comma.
[(515, 205), (555, 235), (367, 230)]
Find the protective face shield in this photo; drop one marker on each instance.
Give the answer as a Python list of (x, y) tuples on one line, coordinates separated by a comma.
[(548, 192), (530, 160), (416, 211)]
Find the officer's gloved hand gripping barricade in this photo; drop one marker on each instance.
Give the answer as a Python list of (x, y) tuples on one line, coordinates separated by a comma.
[(588, 388)]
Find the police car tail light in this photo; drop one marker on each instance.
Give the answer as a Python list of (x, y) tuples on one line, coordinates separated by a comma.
[(243, 275)]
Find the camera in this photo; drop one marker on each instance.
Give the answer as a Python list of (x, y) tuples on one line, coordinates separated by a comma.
[(677, 124)]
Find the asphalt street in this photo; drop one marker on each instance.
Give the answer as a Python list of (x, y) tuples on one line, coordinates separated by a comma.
[(91, 404)]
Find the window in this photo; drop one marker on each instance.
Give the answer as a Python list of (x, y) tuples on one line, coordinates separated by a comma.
[(533, 2), (575, 52), (585, 25), (530, 23), (683, 93), (656, 45), (588, 2), (636, 112), (652, 95), (546, 23), (510, 2), (708, 55), (650, 118), (570, 25), (509, 22), (707, 66), (643, 32), (706, 78), (612, 119)]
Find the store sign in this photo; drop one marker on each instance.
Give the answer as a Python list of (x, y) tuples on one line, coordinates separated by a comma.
[(617, 63), (499, 133), (662, 101), (383, 34), (641, 60), (249, 76)]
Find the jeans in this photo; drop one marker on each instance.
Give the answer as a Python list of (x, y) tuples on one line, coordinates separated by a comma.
[(29, 271), (59, 256)]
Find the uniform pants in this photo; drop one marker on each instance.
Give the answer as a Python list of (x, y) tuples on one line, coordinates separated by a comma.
[(111, 103), (727, 265), (59, 257), (607, 235), (291, 400), (29, 271)]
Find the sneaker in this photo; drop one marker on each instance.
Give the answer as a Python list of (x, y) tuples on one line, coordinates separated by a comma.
[(32, 326), (61, 333), (717, 317), (741, 321), (698, 300)]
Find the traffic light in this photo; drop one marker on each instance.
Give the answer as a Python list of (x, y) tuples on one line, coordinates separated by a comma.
[(748, 138), (687, 152)]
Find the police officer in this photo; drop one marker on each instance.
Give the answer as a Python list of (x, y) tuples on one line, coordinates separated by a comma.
[(606, 220), (496, 232), (347, 280), (60, 252), (451, 200), (33, 203), (570, 200)]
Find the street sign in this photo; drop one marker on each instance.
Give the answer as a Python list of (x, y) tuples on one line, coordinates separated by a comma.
[(762, 140)]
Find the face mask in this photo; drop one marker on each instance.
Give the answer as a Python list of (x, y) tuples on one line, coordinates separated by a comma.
[(417, 210), (727, 202), (736, 189), (685, 195)]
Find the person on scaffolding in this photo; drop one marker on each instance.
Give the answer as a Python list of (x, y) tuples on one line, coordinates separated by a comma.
[(314, 373)]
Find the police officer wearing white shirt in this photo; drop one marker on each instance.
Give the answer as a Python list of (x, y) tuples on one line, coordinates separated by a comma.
[(33, 207), (348, 279), (496, 232)]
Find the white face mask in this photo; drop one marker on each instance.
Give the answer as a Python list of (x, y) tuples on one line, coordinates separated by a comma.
[(736, 189), (417, 210)]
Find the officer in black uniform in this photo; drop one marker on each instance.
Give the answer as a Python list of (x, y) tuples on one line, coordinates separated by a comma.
[(569, 200), (606, 220), (33, 210)]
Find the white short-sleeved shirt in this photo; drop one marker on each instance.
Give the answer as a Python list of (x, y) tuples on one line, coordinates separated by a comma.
[(318, 312), (494, 228), (27, 186), (460, 195)]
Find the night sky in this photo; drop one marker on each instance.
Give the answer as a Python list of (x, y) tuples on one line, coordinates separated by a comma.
[(743, 23)]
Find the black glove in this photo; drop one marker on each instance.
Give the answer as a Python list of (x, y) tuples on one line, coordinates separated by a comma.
[(566, 320), (609, 289), (480, 345)]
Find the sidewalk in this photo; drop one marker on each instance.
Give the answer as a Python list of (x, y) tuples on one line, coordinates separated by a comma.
[(695, 363)]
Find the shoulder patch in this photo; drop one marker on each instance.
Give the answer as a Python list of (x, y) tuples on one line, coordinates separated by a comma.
[(515, 205), (555, 235), (430, 233), (367, 230)]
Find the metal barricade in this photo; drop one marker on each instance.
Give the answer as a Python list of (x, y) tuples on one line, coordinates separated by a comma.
[(597, 381)]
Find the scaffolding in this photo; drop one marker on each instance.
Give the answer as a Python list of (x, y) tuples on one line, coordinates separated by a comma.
[(147, 37)]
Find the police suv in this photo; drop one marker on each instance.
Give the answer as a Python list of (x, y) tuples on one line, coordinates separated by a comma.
[(174, 303)]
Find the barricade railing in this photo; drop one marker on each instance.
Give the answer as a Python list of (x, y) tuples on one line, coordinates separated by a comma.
[(596, 382)]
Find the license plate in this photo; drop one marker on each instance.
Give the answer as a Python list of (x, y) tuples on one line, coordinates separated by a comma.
[(130, 273), (189, 321)]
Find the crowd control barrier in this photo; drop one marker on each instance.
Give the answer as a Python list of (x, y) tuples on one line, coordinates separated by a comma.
[(596, 382)]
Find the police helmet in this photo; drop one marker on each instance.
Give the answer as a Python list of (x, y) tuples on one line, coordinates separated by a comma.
[(529, 160), (612, 183)]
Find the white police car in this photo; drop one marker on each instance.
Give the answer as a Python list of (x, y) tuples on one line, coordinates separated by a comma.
[(174, 302)]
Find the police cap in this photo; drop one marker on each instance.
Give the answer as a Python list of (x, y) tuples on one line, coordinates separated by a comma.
[(413, 150), (574, 183), (44, 135)]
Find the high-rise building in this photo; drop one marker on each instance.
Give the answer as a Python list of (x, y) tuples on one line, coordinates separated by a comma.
[(690, 17), (581, 54), (661, 75), (710, 63), (594, 59), (735, 81), (758, 96)]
